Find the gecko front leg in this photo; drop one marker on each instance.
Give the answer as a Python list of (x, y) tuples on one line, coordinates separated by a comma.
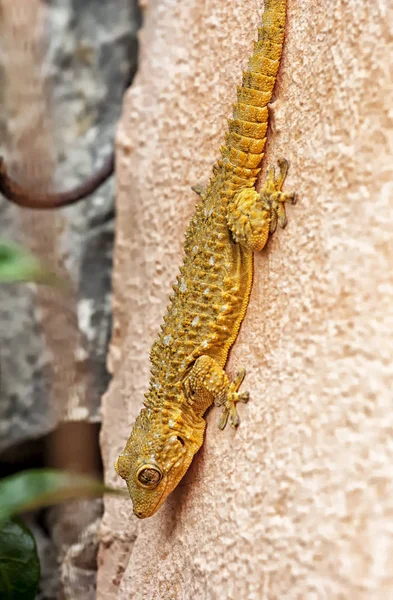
[(253, 216), (207, 382)]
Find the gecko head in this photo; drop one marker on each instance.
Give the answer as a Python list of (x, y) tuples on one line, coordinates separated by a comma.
[(153, 462)]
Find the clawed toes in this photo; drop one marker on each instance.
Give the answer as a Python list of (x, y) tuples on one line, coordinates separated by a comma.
[(229, 401), (244, 397), (235, 421), (224, 419), (283, 165), (238, 379)]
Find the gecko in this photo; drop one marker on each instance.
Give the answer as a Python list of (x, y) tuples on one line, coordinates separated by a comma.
[(232, 220)]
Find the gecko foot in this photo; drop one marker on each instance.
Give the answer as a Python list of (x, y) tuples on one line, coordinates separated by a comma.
[(230, 400), (271, 195), (252, 216)]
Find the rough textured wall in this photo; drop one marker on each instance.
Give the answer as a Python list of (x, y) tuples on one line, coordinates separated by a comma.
[(297, 503)]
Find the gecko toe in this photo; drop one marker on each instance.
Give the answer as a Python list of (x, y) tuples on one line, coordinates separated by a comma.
[(223, 419), (244, 397)]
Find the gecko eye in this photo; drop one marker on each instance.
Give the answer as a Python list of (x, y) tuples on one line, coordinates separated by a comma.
[(149, 476)]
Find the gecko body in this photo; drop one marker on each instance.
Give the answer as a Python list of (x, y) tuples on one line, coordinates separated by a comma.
[(211, 294)]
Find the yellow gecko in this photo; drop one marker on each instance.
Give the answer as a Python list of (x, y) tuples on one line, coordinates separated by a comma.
[(231, 222)]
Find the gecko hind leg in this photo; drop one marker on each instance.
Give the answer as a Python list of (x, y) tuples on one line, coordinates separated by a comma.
[(253, 216), (207, 382)]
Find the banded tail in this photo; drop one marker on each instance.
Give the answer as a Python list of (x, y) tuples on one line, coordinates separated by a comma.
[(246, 138)]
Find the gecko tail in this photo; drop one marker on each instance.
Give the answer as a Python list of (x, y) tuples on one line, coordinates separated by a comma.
[(245, 141)]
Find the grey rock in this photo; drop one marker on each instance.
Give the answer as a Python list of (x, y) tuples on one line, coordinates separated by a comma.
[(90, 53)]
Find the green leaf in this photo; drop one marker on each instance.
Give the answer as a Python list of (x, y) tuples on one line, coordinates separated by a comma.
[(36, 488), (16, 264), (19, 563)]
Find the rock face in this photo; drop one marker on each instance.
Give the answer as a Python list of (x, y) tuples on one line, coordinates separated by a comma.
[(297, 502), (88, 56)]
